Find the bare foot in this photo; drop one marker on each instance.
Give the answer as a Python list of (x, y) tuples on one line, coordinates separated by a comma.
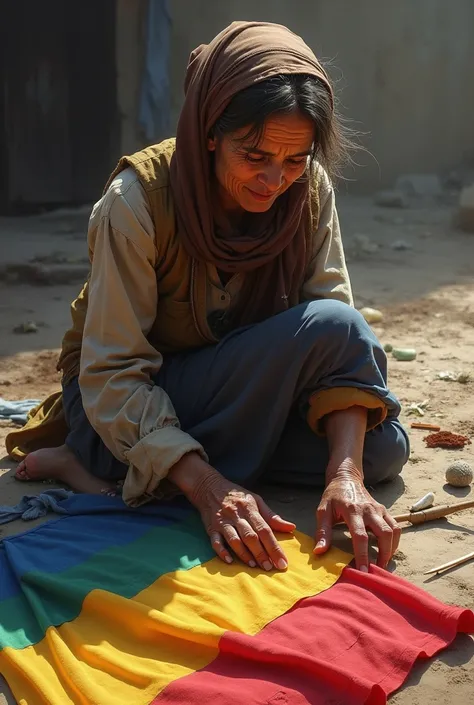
[(62, 465)]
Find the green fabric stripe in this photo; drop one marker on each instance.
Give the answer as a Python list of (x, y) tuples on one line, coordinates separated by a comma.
[(52, 599)]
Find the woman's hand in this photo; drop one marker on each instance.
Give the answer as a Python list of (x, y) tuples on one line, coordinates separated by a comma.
[(346, 499), (233, 517)]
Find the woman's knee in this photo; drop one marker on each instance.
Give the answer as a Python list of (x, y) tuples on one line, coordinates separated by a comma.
[(336, 319), (386, 451)]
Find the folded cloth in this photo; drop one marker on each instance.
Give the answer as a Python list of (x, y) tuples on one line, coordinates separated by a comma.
[(17, 411), (35, 506)]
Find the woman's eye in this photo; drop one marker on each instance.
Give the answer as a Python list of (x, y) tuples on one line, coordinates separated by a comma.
[(297, 162), (255, 158)]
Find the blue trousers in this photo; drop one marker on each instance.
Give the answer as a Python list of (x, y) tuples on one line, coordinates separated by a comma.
[(245, 399)]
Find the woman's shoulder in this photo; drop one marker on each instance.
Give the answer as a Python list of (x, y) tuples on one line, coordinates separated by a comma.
[(321, 184)]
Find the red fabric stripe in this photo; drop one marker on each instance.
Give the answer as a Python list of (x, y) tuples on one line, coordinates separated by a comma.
[(354, 643)]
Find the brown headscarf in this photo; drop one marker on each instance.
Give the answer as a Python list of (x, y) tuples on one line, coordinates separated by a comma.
[(272, 250)]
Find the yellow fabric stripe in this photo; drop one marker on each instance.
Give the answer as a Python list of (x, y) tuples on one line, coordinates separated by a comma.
[(120, 651)]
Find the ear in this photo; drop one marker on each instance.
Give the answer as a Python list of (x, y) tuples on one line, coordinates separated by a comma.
[(211, 144)]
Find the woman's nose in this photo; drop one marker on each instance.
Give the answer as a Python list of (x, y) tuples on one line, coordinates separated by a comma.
[(271, 178)]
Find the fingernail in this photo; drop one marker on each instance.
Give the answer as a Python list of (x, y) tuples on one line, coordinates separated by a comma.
[(267, 565), (282, 564), (228, 559), (364, 569), (321, 544), (252, 564)]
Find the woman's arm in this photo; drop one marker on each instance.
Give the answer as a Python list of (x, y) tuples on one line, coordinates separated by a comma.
[(135, 418), (346, 498)]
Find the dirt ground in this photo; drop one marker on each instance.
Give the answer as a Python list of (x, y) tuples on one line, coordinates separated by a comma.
[(426, 294)]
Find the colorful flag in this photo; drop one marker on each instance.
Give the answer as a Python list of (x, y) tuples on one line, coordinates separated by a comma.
[(113, 606)]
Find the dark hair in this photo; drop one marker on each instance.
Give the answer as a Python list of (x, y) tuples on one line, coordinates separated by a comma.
[(284, 94)]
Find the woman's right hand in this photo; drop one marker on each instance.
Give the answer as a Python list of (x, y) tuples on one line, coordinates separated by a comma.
[(233, 517)]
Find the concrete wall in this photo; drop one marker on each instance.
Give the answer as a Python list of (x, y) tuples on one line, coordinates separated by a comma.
[(404, 71)]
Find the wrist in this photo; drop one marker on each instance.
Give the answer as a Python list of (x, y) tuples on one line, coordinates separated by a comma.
[(346, 470), (189, 473)]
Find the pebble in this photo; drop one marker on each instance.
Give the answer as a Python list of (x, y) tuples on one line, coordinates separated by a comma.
[(371, 315), (400, 245), (404, 354)]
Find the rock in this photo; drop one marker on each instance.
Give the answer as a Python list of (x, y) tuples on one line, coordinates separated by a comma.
[(426, 186), (404, 354), (465, 215), (400, 245), (364, 243), (390, 199), (28, 327), (371, 315), (459, 474)]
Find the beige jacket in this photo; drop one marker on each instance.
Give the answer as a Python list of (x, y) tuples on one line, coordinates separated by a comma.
[(139, 303)]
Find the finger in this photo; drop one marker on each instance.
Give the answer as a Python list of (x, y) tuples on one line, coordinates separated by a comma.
[(384, 535), (250, 538), (323, 536), (273, 519), (233, 540), (268, 541), (360, 541), (397, 531), (217, 543)]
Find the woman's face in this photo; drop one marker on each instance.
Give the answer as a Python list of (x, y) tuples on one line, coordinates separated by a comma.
[(251, 178)]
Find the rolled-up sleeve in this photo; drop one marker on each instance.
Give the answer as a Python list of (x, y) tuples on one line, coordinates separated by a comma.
[(326, 275), (134, 417)]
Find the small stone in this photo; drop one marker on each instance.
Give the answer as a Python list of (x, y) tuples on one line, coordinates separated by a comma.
[(419, 185), (459, 474), (404, 354), (364, 243), (390, 199), (400, 245), (371, 315), (28, 327)]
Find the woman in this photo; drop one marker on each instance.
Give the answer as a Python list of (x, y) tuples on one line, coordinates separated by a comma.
[(216, 340)]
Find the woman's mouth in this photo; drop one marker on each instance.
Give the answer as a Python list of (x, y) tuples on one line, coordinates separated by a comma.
[(260, 196)]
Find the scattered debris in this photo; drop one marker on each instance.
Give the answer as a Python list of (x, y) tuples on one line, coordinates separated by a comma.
[(418, 409), (424, 503), (459, 474), (419, 185), (364, 244), (28, 327), (401, 245), (371, 315), (448, 376), (425, 426), (404, 354), (391, 199), (446, 439), (388, 347)]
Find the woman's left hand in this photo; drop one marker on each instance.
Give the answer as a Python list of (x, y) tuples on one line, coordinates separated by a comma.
[(346, 499)]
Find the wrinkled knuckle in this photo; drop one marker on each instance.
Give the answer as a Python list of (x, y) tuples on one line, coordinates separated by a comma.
[(387, 531), (264, 532), (250, 536), (361, 535), (234, 541)]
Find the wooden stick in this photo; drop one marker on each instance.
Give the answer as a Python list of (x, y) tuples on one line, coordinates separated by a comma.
[(451, 564), (425, 426), (434, 512)]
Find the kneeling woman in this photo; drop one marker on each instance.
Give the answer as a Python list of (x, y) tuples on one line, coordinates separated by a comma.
[(215, 341)]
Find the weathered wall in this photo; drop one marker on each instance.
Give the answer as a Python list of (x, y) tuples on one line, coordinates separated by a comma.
[(405, 70)]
